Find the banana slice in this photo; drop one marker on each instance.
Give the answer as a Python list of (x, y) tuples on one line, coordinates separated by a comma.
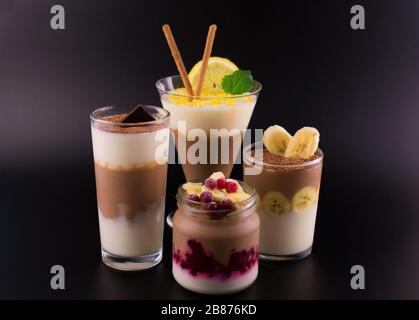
[(276, 202), (217, 175), (304, 198), (192, 188), (276, 140), (304, 143), (237, 196)]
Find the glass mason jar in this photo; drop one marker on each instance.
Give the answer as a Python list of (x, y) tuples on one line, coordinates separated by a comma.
[(215, 252), (287, 208)]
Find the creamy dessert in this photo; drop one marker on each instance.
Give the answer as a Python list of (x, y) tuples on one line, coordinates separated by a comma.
[(288, 188), (216, 95), (129, 158), (215, 236)]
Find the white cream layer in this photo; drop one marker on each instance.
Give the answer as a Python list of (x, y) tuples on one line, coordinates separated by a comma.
[(133, 238), (211, 117), (214, 285), (116, 150), (287, 233)]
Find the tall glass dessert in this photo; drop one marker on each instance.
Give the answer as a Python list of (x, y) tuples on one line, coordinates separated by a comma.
[(130, 153)]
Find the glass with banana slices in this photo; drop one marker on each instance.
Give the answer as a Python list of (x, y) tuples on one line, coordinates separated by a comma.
[(288, 188)]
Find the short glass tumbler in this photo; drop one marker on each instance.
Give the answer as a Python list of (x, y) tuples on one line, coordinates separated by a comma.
[(288, 197)]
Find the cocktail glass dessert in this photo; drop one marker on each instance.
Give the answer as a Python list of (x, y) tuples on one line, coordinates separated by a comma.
[(210, 107), (130, 147), (226, 115), (215, 236), (288, 188)]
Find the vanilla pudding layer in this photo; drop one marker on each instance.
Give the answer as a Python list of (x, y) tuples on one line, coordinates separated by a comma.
[(126, 150), (206, 116), (288, 233), (205, 285), (135, 237)]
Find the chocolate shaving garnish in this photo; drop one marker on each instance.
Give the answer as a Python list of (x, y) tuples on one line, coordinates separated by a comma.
[(138, 114)]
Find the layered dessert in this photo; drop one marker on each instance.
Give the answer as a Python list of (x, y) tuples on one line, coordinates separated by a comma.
[(228, 115), (127, 163), (288, 188), (215, 95), (216, 236)]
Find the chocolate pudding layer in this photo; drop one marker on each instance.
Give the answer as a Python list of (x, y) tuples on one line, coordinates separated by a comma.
[(201, 170), (126, 191)]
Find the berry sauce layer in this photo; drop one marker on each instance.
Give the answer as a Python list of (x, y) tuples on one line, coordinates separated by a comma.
[(199, 263)]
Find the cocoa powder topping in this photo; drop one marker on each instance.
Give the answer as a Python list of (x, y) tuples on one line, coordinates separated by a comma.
[(125, 128), (282, 163)]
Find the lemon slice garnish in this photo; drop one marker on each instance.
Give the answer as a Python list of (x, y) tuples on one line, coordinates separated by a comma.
[(217, 69)]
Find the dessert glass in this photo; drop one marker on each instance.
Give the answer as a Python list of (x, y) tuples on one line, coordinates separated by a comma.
[(230, 113), (129, 159), (287, 208), (215, 252)]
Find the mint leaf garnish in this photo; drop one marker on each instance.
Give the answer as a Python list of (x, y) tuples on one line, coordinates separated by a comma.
[(240, 81)]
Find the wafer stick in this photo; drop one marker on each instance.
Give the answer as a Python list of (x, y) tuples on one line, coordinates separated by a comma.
[(205, 58), (178, 59)]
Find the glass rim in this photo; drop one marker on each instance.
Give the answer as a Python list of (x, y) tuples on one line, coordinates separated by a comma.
[(254, 92), (250, 160), (214, 214), (94, 118)]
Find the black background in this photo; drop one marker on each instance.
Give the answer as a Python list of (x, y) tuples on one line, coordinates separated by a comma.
[(359, 88)]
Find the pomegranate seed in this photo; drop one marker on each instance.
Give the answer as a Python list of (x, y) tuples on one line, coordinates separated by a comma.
[(210, 183), (232, 187), (211, 206), (193, 197), (221, 183), (206, 197), (227, 204)]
